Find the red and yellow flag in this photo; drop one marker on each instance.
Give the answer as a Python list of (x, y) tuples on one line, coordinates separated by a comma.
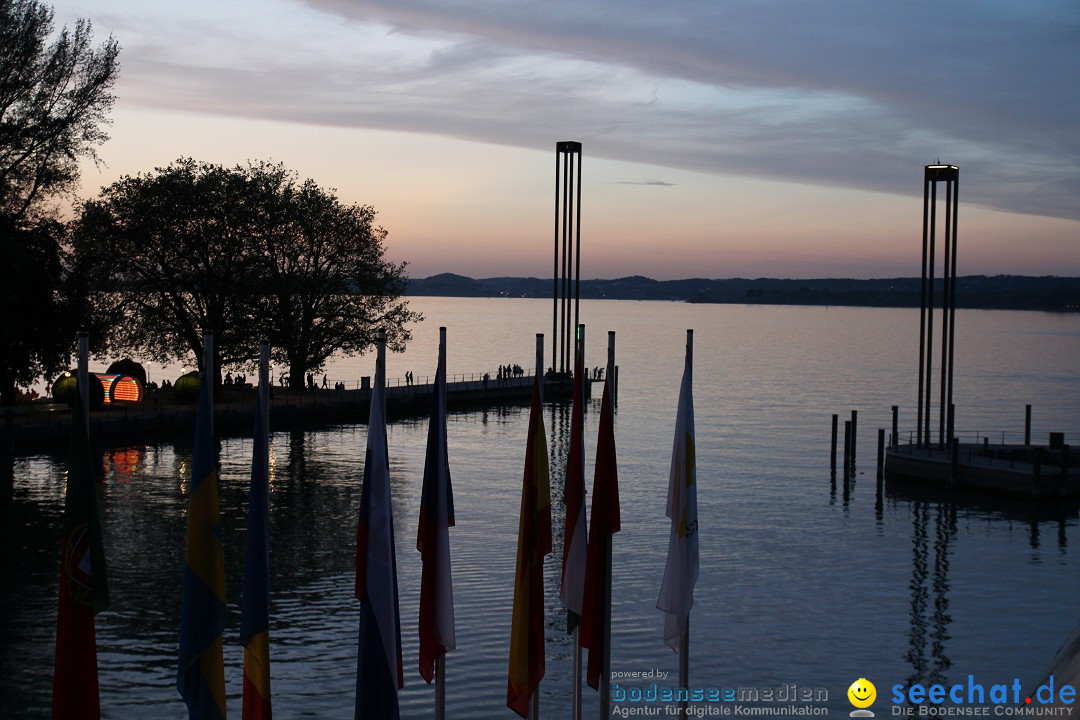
[(534, 542)]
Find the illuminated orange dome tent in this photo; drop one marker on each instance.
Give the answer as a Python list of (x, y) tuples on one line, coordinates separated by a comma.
[(120, 388)]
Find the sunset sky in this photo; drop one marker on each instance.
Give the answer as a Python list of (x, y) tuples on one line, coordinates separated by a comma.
[(721, 138)]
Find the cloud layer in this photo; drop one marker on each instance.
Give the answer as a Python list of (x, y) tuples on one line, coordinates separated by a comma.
[(843, 93)]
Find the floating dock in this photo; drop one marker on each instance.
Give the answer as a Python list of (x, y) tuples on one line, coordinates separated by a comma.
[(1041, 472)]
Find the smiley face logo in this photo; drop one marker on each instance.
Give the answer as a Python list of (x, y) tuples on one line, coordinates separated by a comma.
[(862, 693)]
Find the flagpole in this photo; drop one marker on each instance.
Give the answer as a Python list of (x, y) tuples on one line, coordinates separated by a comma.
[(684, 643), (264, 393), (605, 676), (579, 365), (534, 699), (440, 659), (208, 375), (684, 665), (540, 363), (83, 377)]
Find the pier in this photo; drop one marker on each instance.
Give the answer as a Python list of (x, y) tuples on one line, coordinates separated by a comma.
[(1040, 472), (44, 426)]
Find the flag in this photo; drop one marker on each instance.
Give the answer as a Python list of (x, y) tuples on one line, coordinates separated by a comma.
[(681, 572), (433, 538), (84, 587), (255, 599), (604, 522), (378, 662), (534, 542), (574, 539), (201, 671)]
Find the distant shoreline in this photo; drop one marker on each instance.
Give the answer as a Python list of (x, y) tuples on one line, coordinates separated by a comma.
[(992, 292)]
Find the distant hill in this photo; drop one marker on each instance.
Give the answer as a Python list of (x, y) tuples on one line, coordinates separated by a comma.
[(1004, 292)]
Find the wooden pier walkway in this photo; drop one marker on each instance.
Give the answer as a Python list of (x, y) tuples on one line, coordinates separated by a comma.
[(45, 426)]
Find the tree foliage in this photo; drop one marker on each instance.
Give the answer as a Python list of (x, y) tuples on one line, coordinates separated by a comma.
[(54, 102), (247, 252), (329, 287), (41, 314)]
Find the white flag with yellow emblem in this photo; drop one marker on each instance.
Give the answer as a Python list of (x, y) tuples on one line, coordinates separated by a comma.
[(681, 571)]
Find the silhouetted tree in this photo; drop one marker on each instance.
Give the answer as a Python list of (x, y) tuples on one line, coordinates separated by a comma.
[(245, 253), (54, 101), (330, 287), (40, 315), (171, 252)]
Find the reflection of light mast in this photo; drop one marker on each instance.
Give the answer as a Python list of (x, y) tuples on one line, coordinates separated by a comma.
[(932, 669)]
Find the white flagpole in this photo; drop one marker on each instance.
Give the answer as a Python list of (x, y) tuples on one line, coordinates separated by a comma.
[(83, 377), (540, 363), (534, 699), (605, 673), (577, 630), (440, 686), (207, 376), (264, 394), (684, 645), (440, 659)]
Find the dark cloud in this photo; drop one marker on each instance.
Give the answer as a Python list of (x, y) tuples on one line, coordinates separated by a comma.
[(837, 92)]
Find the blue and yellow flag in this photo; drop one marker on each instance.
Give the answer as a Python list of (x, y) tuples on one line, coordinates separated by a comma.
[(201, 672)]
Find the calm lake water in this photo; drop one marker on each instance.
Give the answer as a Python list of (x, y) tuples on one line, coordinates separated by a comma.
[(804, 580)]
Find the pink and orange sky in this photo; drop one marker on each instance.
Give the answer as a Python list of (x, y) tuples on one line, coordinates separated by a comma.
[(721, 138)]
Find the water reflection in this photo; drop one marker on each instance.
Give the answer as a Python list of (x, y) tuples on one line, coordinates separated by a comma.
[(929, 586), (934, 530)]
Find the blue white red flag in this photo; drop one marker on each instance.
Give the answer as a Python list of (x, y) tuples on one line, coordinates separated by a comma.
[(378, 664)]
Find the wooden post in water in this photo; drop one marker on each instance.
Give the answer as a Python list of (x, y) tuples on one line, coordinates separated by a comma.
[(880, 453), (832, 453), (1064, 469), (954, 446), (847, 448), (1027, 424), (854, 435), (895, 440), (1037, 472)]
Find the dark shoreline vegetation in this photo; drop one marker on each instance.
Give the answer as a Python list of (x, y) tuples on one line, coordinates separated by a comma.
[(997, 292)]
